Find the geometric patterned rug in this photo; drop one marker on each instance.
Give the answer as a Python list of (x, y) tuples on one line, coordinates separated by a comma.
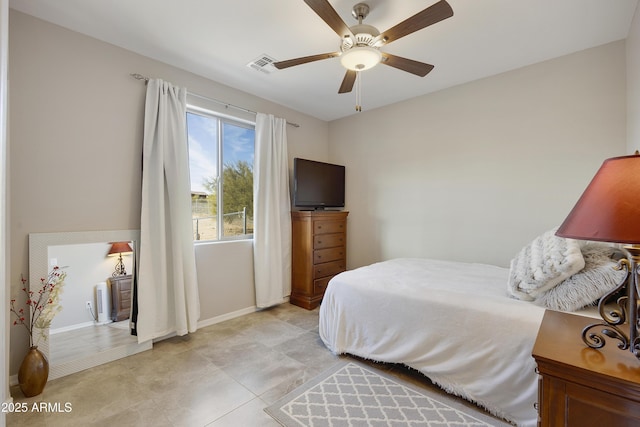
[(351, 394)]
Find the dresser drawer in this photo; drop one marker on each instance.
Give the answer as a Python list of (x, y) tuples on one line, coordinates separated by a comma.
[(328, 269), (126, 300), (320, 285), (326, 255), (323, 227), (328, 240)]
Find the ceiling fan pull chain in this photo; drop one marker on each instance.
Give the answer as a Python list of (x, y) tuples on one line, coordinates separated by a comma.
[(358, 91)]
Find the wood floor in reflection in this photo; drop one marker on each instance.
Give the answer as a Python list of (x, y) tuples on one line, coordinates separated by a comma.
[(80, 343)]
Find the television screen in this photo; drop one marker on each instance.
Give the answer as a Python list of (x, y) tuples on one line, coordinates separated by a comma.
[(317, 185)]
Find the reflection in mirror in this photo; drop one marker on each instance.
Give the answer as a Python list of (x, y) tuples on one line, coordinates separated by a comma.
[(93, 326)]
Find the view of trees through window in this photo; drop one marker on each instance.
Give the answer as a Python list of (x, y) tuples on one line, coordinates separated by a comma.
[(221, 153)]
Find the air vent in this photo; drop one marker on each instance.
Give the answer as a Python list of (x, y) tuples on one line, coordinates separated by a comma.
[(263, 63)]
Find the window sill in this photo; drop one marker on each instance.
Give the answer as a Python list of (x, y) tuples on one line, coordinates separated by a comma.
[(219, 242)]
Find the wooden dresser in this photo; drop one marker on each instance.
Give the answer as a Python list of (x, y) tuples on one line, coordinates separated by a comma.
[(319, 252), (580, 386), (120, 297)]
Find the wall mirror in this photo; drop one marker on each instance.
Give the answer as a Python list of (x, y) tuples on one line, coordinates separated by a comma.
[(85, 333)]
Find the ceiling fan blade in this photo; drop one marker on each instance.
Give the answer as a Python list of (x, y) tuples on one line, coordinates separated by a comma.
[(329, 15), (303, 60), (431, 15), (348, 81), (409, 65)]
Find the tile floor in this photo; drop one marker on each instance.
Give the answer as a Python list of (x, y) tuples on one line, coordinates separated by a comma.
[(222, 375)]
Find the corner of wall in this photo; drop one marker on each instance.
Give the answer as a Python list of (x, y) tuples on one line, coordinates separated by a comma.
[(5, 290), (633, 83)]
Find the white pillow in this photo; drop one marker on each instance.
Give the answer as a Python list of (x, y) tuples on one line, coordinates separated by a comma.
[(586, 287), (542, 264)]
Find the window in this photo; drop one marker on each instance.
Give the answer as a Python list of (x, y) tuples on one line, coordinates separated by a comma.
[(221, 153)]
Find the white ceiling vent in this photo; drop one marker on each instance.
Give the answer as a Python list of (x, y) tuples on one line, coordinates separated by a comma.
[(263, 63)]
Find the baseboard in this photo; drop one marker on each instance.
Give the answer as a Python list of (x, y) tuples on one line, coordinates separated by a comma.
[(226, 316), (232, 315), (71, 327)]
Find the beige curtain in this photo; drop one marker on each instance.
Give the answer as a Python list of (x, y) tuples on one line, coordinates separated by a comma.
[(167, 291), (272, 212)]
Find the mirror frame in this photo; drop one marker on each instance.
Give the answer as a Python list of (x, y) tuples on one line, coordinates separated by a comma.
[(39, 267)]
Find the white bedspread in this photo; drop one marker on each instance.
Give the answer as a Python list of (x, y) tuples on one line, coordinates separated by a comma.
[(452, 321)]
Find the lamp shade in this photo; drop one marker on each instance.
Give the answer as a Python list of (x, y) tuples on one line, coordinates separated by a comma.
[(609, 209), (118, 248), (360, 58)]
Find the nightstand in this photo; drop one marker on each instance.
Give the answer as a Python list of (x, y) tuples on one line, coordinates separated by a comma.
[(120, 297), (581, 386)]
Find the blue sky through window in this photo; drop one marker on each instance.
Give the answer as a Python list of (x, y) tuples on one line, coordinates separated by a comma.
[(238, 145)]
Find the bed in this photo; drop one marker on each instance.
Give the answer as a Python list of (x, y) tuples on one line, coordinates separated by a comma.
[(455, 322)]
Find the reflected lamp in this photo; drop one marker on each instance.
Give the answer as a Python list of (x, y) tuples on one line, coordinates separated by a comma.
[(118, 249)]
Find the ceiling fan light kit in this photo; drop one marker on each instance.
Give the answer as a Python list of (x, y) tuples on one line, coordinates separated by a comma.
[(360, 58), (360, 44)]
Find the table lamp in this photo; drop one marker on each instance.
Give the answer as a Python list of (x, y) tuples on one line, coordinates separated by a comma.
[(609, 211)]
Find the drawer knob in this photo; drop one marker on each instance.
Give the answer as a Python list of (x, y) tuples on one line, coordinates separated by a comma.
[(319, 242)]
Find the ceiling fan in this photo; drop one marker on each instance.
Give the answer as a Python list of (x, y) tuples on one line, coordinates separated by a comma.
[(360, 44)]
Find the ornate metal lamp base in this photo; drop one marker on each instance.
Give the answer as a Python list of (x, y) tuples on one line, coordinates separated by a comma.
[(626, 311), (120, 270)]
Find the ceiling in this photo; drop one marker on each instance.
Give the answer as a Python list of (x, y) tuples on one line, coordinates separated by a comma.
[(217, 39)]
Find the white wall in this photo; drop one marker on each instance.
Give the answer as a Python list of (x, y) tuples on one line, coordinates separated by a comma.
[(472, 173), (75, 151), (224, 269), (633, 85)]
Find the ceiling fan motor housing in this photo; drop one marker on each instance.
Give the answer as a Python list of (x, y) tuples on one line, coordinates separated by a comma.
[(364, 36)]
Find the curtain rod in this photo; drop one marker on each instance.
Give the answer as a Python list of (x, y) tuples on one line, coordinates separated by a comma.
[(226, 104)]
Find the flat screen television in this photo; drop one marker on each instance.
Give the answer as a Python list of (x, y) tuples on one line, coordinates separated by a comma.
[(317, 185)]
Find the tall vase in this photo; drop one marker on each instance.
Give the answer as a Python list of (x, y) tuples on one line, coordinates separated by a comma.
[(33, 373)]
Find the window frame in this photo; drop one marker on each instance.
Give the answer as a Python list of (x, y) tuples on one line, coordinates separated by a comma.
[(221, 120)]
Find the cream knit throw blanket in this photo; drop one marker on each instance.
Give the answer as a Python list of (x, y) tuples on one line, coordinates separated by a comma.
[(598, 277), (541, 265)]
